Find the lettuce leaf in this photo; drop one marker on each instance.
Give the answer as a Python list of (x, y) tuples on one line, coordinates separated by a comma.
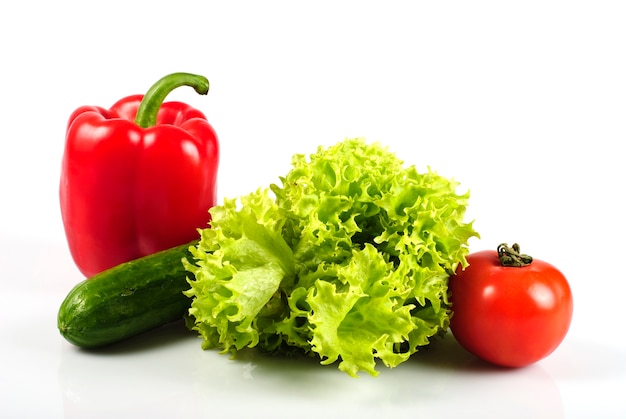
[(348, 260)]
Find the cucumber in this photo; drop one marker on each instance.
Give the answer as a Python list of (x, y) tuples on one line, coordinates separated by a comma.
[(127, 299)]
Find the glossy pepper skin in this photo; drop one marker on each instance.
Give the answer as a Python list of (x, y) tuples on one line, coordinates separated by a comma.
[(138, 177)]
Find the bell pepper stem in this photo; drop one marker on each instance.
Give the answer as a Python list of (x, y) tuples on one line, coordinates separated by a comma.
[(153, 99)]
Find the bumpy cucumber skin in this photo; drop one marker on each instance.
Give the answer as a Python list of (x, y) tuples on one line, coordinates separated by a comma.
[(127, 299)]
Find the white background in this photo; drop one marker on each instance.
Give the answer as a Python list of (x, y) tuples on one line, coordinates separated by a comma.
[(523, 103)]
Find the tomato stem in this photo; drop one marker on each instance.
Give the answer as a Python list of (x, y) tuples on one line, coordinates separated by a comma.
[(511, 256)]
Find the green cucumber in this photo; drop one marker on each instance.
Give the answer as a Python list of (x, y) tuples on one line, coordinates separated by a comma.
[(127, 299)]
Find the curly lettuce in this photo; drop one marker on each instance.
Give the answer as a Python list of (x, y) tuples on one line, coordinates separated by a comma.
[(348, 260)]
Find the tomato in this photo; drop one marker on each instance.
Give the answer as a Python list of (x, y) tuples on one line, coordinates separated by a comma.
[(509, 316)]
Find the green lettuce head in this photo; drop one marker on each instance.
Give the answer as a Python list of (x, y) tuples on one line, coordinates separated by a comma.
[(347, 260)]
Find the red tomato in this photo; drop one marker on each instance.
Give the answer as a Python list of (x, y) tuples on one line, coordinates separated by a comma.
[(509, 316)]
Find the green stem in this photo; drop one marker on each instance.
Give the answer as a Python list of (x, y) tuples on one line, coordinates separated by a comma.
[(511, 256), (152, 101)]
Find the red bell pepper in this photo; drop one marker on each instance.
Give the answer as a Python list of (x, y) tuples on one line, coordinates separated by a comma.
[(137, 178)]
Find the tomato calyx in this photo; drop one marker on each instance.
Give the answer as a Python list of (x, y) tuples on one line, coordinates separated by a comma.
[(512, 257)]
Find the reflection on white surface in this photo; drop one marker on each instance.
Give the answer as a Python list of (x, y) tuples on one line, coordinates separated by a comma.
[(167, 373)]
